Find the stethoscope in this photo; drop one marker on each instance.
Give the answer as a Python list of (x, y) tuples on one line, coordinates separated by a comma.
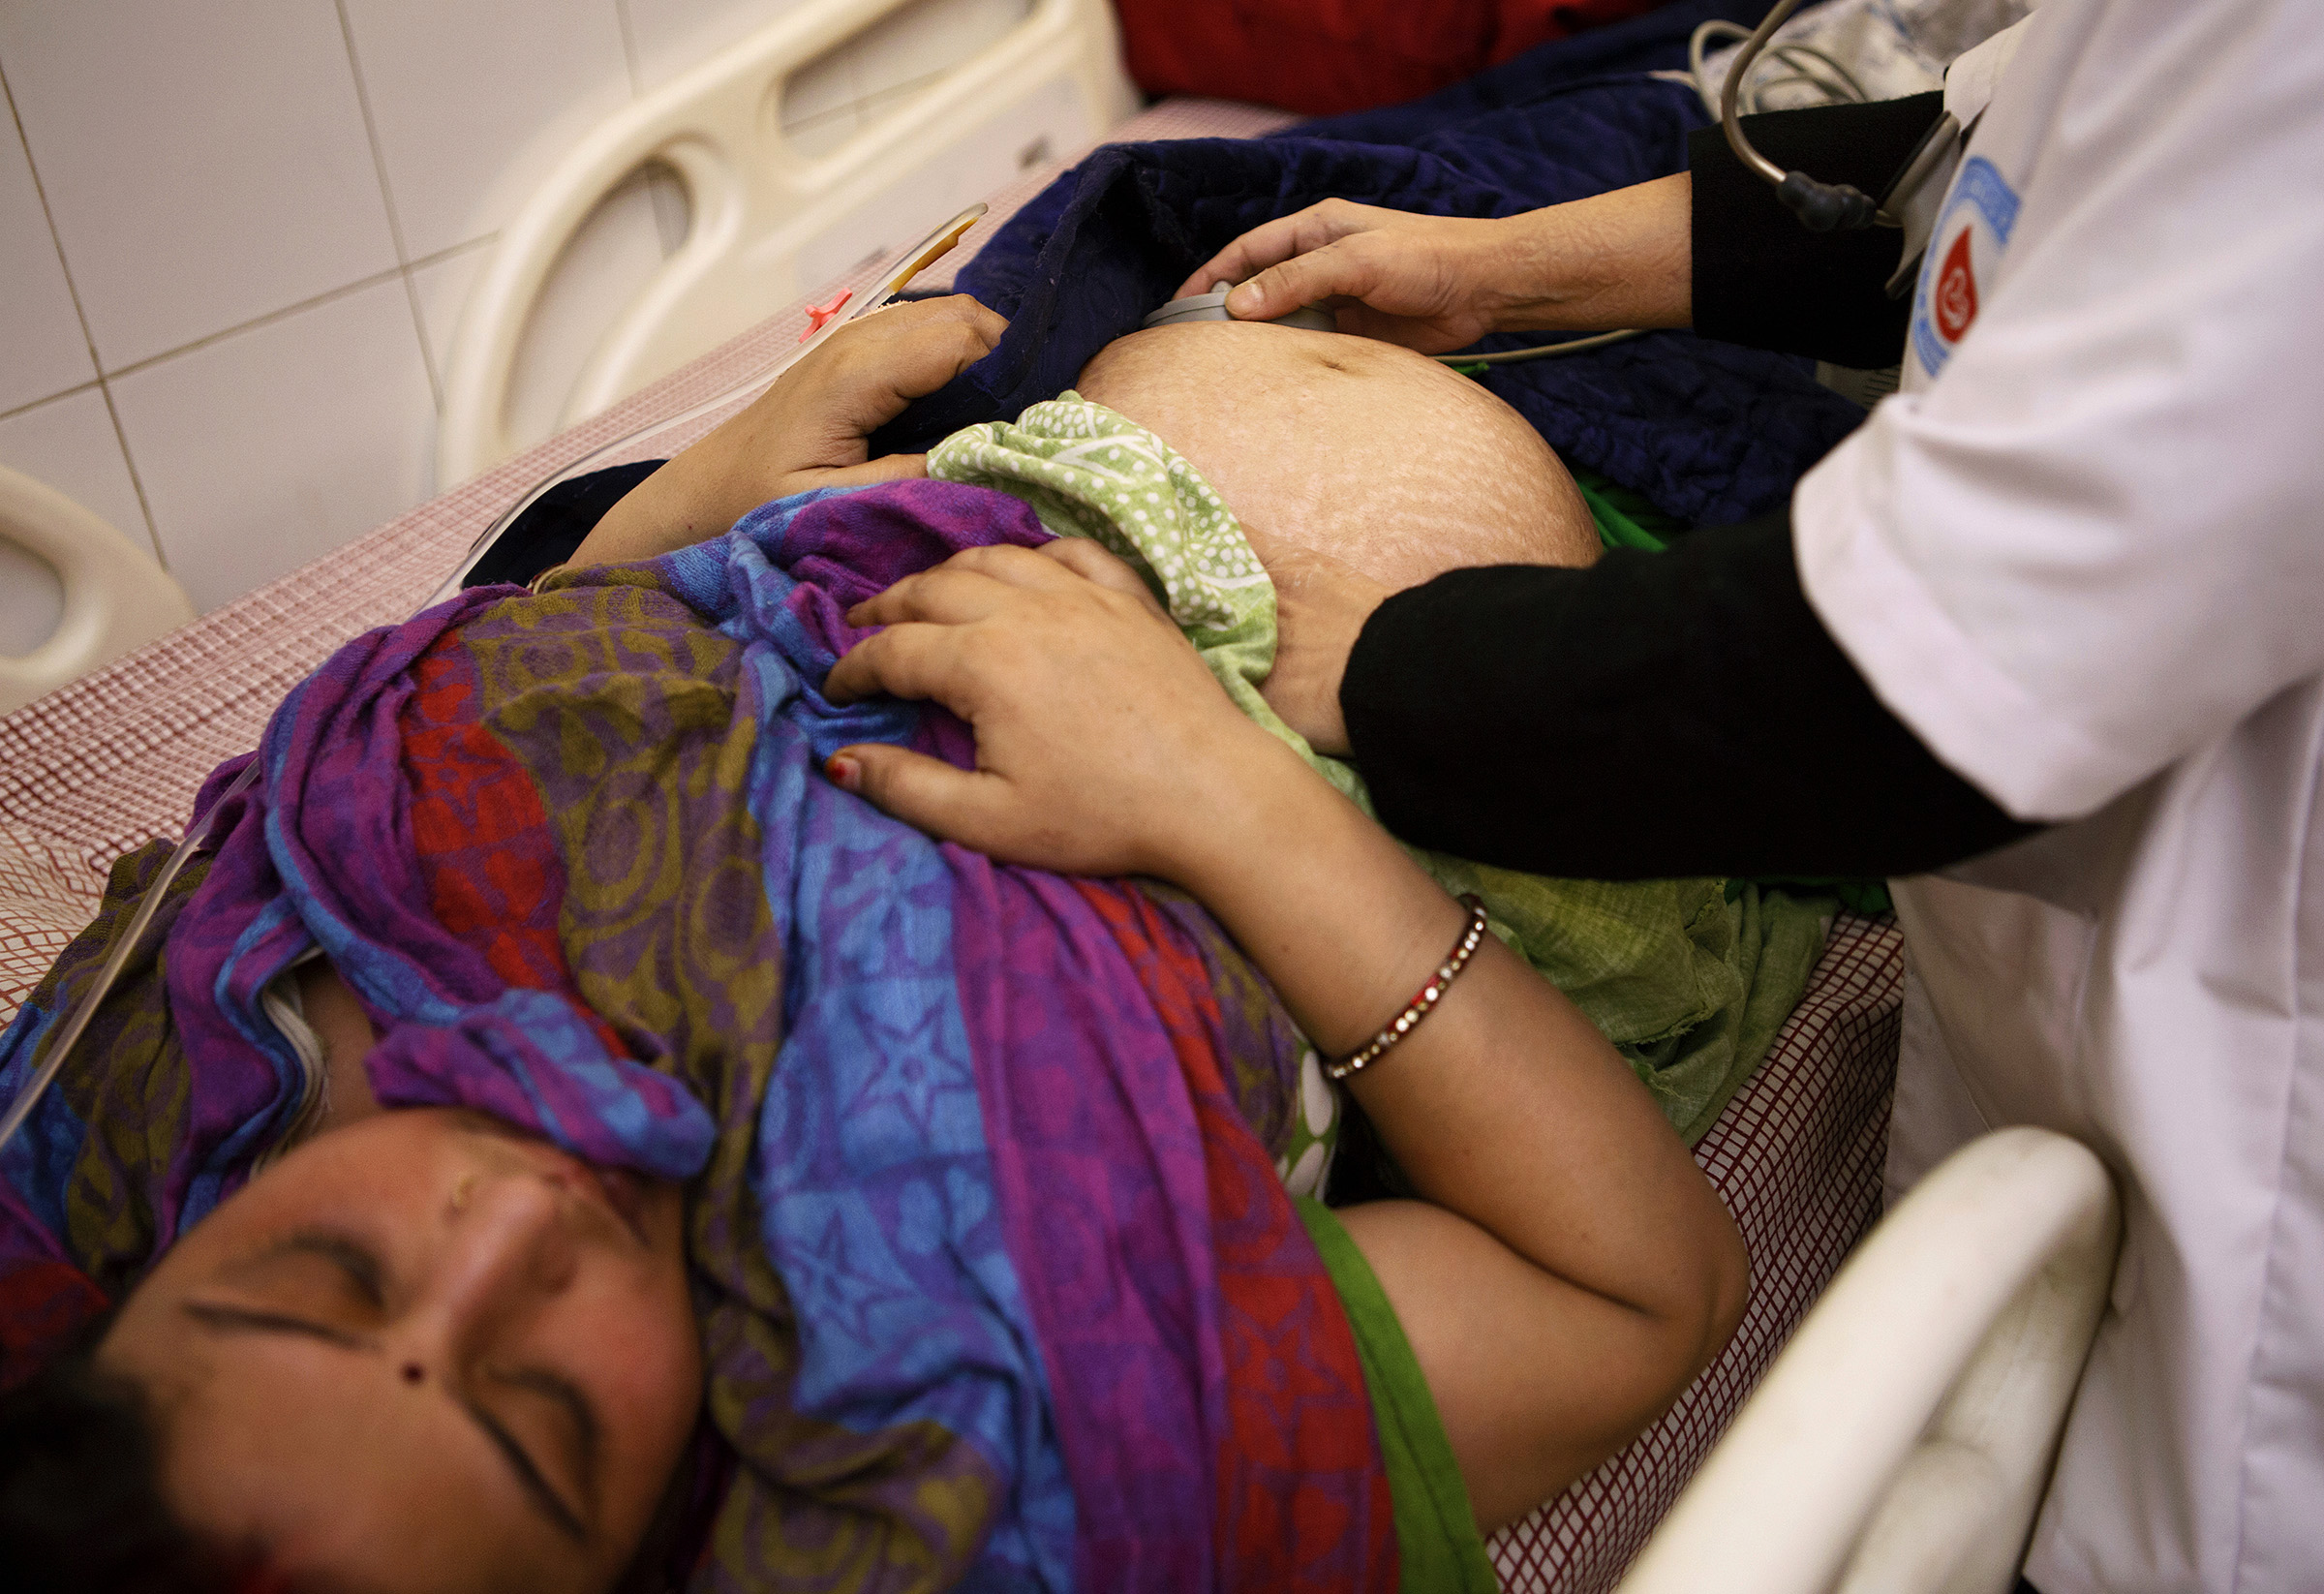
[(826, 320), (1840, 207)]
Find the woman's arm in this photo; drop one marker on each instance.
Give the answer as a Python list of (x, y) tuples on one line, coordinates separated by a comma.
[(1571, 1269), (807, 431), (1709, 247), (1439, 283)]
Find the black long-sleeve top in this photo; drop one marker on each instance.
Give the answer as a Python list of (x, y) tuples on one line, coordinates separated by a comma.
[(1680, 713)]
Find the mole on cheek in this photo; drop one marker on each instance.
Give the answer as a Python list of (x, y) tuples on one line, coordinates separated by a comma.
[(411, 1372)]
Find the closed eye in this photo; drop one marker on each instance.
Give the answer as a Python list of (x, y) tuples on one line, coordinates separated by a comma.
[(578, 1413), (223, 1318), (360, 1269), (546, 1499)]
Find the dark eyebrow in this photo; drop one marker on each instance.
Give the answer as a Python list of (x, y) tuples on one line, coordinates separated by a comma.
[(350, 1256)]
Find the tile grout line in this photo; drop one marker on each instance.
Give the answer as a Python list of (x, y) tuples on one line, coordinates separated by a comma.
[(463, 247), (344, 291), (129, 463), (671, 229), (137, 482), (629, 28), (419, 331), (395, 226), (74, 392)]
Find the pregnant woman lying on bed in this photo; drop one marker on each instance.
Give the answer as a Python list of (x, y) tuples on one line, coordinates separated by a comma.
[(575, 1135)]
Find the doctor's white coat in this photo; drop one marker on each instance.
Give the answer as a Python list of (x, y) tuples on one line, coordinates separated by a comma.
[(2082, 556)]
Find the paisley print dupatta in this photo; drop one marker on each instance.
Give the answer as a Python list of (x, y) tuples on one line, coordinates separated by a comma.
[(998, 1284)]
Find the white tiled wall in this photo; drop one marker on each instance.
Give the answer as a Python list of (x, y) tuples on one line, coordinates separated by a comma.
[(235, 240)]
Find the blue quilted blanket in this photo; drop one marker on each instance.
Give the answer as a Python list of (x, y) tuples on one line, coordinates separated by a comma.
[(1710, 432)]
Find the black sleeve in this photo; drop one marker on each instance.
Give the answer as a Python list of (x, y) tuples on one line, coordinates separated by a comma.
[(1655, 715), (1762, 279), (548, 532)]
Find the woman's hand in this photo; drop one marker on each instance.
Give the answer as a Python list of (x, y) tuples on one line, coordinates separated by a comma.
[(1103, 744), (1321, 605), (810, 430), (1440, 283)]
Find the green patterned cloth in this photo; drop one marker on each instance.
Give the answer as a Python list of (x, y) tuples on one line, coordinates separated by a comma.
[(1690, 979)]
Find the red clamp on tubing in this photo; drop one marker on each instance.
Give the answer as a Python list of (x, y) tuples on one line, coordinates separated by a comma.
[(818, 314)]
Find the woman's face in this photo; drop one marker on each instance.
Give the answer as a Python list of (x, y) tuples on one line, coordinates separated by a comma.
[(423, 1351)]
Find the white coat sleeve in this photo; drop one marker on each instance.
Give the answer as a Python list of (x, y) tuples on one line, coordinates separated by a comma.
[(2092, 540)]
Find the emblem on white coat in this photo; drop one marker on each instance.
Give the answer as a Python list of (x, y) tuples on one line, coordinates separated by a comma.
[(1971, 231)]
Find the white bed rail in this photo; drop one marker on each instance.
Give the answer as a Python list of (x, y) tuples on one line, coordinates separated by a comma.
[(1903, 1440), (117, 597), (770, 222)]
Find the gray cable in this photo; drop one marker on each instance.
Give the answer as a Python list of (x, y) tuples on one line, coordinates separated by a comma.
[(116, 960), (1801, 58), (1542, 350)]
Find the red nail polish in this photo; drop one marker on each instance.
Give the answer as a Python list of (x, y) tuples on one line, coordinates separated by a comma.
[(844, 773)]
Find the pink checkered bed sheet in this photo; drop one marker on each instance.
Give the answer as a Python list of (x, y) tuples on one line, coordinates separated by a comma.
[(1796, 1156), (113, 760)]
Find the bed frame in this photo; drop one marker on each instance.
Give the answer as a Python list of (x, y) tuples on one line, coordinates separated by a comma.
[(1902, 1442), (116, 596), (770, 221)]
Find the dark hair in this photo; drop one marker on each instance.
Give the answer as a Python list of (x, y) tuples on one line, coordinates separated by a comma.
[(83, 1507), (80, 1492)]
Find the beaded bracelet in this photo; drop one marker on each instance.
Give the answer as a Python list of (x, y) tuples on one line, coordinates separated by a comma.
[(1416, 1009)]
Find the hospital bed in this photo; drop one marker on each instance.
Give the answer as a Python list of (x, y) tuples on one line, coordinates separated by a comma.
[(116, 596), (1903, 1440)]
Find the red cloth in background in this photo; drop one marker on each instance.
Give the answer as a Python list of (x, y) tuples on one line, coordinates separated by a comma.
[(1320, 57)]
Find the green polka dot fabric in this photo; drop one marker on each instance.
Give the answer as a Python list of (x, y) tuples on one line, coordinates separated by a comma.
[(1089, 472), (1690, 979)]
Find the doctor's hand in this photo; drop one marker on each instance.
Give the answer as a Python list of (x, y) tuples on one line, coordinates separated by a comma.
[(811, 429), (1440, 283), (1430, 282), (1321, 605), (1103, 744)]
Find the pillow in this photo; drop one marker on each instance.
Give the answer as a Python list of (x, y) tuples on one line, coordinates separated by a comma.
[(1322, 57)]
